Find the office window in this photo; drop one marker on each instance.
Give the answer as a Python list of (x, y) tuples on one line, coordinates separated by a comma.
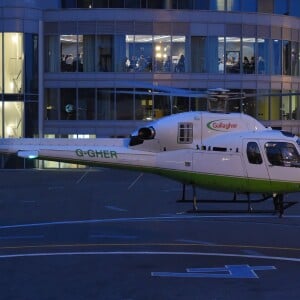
[(217, 4), (162, 106), (286, 57), (199, 44), (249, 5), (84, 3), (100, 3), (69, 48), (68, 104), (104, 54), (1, 64), (86, 58), (202, 4), (31, 63), (138, 57), (295, 56), (233, 5), (183, 4), (281, 7), (143, 105), (263, 56), (295, 105), (68, 3), (86, 104), (276, 54), (233, 55), (116, 3), (105, 104), (276, 110), (179, 62), (295, 8), (13, 119), (215, 54), (124, 104), (132, 3), (248, 47), (13, 63), (162, 53), (263, 105), (185, 133), (264, 6), (51, 104), (53, 63)]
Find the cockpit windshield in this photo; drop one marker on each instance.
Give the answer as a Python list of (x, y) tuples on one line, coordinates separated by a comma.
[(282, 154)]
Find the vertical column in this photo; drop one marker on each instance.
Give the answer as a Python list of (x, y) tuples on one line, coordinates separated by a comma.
[(41, 81)]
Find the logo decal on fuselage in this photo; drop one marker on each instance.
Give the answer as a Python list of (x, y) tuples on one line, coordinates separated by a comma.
[(221, 125), (96, 153)]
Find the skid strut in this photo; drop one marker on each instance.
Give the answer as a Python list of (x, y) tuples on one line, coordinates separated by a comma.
[(278, 200)]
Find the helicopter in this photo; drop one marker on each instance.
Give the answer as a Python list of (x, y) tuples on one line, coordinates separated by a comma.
[(214, 149)]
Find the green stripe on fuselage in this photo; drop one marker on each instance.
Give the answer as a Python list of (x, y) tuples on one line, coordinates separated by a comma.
[(208, 181)]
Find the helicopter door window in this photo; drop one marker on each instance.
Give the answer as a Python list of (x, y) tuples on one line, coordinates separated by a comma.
[(282, 154), (185, 133), (253, 153)]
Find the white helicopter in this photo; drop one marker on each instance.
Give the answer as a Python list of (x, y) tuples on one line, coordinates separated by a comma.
[(212, 149)]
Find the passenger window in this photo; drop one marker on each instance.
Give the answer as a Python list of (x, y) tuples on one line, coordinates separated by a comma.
[(185, 133), (253, 153), (282, 154)]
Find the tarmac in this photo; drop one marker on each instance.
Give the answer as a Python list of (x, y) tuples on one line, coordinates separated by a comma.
[(119, 235)]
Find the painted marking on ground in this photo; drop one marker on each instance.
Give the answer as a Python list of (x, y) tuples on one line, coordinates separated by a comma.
[(113, 236), (154, 253), (228, 272), (115, 208)]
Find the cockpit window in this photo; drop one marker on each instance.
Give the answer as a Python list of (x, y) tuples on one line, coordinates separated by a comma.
[(253, 153), (282, 154)]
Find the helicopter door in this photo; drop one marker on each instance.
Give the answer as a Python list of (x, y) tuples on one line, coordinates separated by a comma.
[(257, 172)]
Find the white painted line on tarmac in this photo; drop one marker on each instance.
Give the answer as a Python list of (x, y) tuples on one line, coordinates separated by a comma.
[(196, 242), (170, 218), (135, 181), (154, 253), (21, 237), (115, 208), (81, 178), (113, 236)]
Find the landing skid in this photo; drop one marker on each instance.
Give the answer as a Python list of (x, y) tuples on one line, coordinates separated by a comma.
[(279, 205)]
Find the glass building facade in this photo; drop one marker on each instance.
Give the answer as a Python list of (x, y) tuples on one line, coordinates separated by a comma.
[(83, 68)]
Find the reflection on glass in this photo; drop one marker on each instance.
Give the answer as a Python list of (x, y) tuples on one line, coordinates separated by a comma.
[(143, 105), (105, 104), (248, 66), (263, 56), (276, 52), (86, 104), (68, 104), (263, 106), (286, 57), (51, 104), (124, 104), (199, 44)]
